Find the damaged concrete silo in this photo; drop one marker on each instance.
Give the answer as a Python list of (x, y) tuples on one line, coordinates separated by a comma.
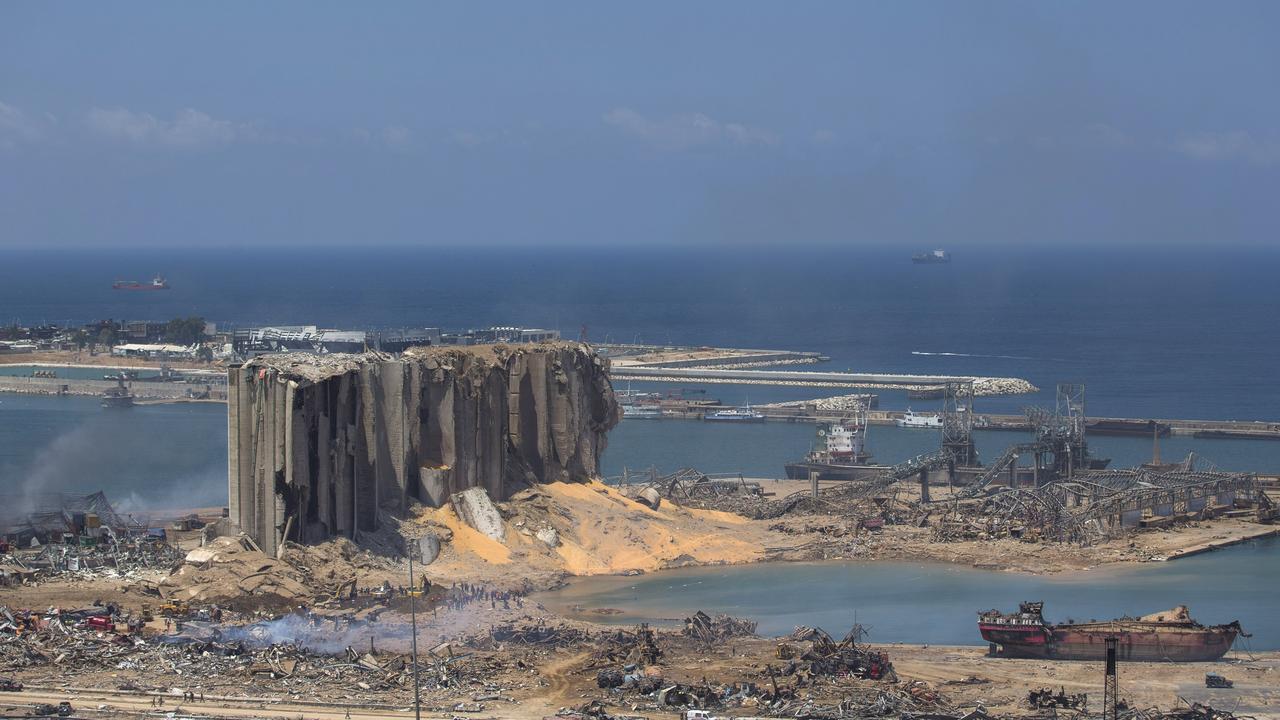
[(320, 444)]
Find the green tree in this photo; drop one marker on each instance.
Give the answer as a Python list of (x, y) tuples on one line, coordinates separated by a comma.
[(205, 354), (108, 336), (80, 338), (185, 331)]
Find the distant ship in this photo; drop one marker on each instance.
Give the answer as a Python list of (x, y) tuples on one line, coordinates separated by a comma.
[(910, 419), (157, 283), (937, 257), (640, 404), (119, 396), (840, 455), (739, 415), (1139, 428), (1168, 636), (641, 411)]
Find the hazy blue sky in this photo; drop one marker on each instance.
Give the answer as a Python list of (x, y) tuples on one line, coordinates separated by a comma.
[(944, 123)]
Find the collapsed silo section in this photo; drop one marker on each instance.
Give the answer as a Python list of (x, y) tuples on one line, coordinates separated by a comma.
[(323, 446)]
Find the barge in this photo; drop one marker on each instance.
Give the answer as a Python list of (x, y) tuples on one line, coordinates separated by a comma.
[(1168, 636)]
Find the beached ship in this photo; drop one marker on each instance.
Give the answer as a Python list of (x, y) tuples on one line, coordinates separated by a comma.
[(912, 419), (157, 283), (839, 453), (1169, 636)]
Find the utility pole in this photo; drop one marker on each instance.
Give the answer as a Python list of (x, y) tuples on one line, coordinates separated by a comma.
[(413, 619)]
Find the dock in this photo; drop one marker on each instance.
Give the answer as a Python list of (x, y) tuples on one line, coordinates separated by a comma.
[(1202, 548)]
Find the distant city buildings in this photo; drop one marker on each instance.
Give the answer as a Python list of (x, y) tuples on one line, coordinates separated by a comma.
[(152, 339), (311, 338)]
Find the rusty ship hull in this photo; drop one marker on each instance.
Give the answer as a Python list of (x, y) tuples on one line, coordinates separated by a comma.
[(1165, 637)]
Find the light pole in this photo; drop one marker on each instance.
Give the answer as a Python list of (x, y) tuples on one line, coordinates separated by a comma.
[(413, 620)]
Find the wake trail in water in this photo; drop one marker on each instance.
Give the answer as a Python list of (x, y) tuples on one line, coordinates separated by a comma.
[(972, 355)]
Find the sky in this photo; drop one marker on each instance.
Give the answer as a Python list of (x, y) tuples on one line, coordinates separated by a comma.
[(733, 123)]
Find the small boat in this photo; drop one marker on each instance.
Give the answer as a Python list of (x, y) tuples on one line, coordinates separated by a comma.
[(742, 414), (637, 410), (911, 419)]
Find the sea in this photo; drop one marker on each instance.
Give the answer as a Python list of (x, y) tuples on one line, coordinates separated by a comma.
[(1181, 332)]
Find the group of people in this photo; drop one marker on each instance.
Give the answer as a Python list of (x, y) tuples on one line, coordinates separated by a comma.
[(461, 595)]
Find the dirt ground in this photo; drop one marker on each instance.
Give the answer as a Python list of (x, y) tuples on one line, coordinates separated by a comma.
[(527, 683), (598, 530)]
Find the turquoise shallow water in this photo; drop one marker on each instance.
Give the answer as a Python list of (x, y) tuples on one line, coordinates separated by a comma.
[(938, 603)]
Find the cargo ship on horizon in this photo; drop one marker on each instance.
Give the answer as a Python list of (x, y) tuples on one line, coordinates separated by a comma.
[(1168, 636), (157, 283), (937, 257)]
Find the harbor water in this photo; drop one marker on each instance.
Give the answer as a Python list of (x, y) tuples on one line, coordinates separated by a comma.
[(174, 455), (938, 603)]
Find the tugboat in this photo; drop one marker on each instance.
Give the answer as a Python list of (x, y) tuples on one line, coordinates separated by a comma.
[(937, 257), (911, 419), (1168, 636), (839, 454), (157, 283), (119, 396)]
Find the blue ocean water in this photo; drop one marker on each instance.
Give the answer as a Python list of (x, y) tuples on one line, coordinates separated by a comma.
[(1179, 332)]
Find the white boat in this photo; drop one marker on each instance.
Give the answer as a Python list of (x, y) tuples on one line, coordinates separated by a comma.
[(910, 419), (740, 414), (641, 411)]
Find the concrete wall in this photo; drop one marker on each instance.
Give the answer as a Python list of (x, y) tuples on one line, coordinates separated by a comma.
[(320, 444)]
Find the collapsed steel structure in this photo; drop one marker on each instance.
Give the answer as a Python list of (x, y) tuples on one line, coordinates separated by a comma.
[(1096, 504)]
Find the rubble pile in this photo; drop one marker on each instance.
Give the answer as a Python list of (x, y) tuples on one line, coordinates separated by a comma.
[(231, 571), (826, 657), (332, 568), (1194, 711), (127, 558), (529, 633), (690, 488), (632, 647), (1046, 698), (234, 660), (711, 630)]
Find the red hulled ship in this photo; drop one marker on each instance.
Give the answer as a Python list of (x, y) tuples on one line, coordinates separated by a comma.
[(1169, 636)]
